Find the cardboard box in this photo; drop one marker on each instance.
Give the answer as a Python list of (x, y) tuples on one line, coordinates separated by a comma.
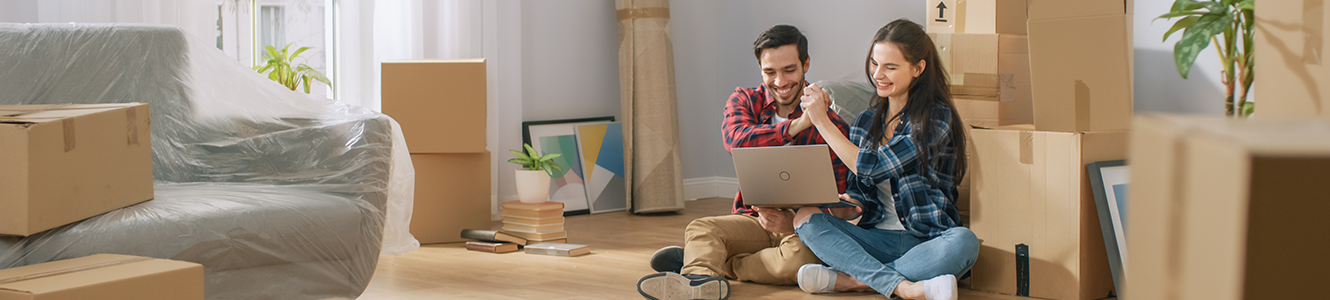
[(1040, 10), (976, 16), (1032, 188), (440, 103), (1233, 202), (105, 277), (452, 193), (1292, 67), (1081, 73), (994, 67), (65, 163)]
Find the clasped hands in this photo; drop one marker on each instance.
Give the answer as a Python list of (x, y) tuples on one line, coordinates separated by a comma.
[(782, 219), (815, 103)]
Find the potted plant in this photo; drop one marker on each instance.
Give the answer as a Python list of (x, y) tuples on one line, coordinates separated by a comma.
[(1204, 21), (533, 181), (278, 68)]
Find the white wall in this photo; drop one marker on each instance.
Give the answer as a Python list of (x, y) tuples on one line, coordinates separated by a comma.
[(713, 54), (1158, 87)]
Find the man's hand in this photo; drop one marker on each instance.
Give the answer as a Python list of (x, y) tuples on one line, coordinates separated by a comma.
[(778, 220), (799, 124), (815, 103)]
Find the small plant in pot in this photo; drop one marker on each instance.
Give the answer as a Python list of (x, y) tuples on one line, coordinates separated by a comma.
[(533, 180)]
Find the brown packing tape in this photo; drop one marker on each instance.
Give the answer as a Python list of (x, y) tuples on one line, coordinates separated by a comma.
[(1312, 29), (132, 126), (960, 16), (72, 270), (1027, 147), (643, 13), (69, 134), (1082, 105)]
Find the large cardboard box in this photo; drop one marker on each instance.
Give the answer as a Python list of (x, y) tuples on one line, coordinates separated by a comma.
[(1081, 73), (104, 277), (993, 67), (64, 163), (1292, 63), (1061, 9), (440, 103), (1032, 188), (452, 193), (976, 16), (1227, 209)]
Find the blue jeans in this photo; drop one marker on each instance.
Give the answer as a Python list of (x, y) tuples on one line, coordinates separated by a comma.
[(882, 258)]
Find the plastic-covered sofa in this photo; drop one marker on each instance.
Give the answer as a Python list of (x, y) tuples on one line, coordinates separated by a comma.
[(278, 195)]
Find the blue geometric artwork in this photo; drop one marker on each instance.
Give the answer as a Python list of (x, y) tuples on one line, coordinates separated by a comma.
[(601, 153)]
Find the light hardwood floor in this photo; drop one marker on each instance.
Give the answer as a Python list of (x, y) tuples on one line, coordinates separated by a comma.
[(621, 245)]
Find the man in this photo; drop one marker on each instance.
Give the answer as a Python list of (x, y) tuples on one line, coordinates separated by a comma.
[(753, 243)]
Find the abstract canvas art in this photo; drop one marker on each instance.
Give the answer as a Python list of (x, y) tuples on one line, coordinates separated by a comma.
[(601, 151), (560, 136)]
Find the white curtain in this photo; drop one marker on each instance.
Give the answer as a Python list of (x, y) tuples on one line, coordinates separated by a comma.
[(194, 16)]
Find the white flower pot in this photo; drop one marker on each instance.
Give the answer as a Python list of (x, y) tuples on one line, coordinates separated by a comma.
[(533, 186)]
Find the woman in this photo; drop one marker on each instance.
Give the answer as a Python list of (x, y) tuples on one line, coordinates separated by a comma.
[(906, 153)]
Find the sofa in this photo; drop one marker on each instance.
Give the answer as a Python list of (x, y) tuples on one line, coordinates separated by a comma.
[(277, 194)]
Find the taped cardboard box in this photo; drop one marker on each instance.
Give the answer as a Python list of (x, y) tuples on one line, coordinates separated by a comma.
[(440, 103), (105, 277), (976, 16), (1062, 9), (1227, 209), (1081, 73), (1290, 45), (1031, 188), (452, 193), (65, 163), (993, 67)]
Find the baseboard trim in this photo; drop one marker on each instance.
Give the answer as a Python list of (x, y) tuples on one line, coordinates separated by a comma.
[(709, 187)]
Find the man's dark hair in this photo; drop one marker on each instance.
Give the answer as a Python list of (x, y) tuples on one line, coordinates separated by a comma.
[(781, 35)]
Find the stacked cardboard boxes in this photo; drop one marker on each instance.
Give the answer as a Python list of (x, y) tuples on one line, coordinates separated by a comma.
[(982, 45), (1227, 209), (441, 107), (1290, 49), (536, 222), (64, 163), (104, 276), (1030, 198)]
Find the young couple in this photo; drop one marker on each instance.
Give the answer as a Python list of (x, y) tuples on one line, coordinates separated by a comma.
[(904, 156)]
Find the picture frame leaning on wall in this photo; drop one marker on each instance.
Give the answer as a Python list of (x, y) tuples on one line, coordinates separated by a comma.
[(1108, 181)]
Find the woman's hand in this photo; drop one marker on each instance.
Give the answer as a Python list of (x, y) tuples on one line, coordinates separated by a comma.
[(815, 103), (847, 213)]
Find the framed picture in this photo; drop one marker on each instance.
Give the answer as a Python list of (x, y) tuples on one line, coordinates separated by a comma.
[(560, 136), (600, 147), (1108, 181)]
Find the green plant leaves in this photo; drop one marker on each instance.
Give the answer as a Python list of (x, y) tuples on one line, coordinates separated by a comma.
[(1181, 24), (1196, 38), (279, 69)]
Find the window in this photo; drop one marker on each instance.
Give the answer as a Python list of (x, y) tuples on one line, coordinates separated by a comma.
[(245, 27)]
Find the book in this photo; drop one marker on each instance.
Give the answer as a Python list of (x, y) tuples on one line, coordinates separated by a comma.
[(532, 221), (558, 249), (507, 226), (531, 235), (492, 236), (547, 205), (491, 247), (538, 214), (559, 240)]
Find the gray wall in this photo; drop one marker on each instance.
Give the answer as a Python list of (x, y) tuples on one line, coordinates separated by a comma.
[(713, 55), (1158, 87), (570, 60)]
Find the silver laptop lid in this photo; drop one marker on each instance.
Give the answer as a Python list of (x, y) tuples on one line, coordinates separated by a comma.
[(785, 176)]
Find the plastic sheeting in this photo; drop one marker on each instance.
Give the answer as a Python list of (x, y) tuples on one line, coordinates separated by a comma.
[(278, 195), (848, 98)]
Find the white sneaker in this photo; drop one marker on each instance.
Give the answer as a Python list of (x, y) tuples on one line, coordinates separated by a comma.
[(817, 278), (939, 288)]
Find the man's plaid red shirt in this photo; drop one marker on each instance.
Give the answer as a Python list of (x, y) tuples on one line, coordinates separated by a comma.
[(747, 123)]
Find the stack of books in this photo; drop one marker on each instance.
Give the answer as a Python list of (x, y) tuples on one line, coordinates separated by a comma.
[(491, 241), (535, 222)]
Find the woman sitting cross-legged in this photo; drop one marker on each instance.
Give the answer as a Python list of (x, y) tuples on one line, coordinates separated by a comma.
[(906, 156)]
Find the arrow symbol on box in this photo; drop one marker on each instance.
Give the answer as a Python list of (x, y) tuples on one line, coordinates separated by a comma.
[(941, 8)]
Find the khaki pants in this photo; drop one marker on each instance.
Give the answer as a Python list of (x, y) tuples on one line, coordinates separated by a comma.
[(736, 247)]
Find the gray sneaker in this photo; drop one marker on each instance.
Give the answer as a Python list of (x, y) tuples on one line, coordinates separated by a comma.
[(668, 259), (672, 286)]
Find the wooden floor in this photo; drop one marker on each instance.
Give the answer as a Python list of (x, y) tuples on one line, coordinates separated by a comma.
[(621, 245)]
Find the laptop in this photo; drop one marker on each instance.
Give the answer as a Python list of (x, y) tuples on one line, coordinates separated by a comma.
[(786, 176)]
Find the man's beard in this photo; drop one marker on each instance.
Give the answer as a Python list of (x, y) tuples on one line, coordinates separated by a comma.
[(798, 92)]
